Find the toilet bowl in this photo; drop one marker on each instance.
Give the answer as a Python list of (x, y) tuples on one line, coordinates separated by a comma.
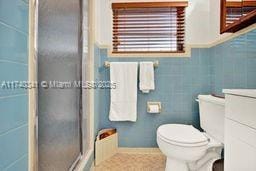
[(188, 149)]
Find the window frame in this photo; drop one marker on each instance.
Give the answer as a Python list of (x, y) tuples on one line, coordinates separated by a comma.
[(242, 22), (178, 4)]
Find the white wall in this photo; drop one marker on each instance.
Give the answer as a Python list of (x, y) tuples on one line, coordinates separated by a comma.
[(214, 22), (197, 22), (202, 21)]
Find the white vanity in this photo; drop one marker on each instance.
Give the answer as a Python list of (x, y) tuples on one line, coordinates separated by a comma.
[(240, 130)]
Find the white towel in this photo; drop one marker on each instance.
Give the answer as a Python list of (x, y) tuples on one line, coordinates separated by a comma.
[(123, 99), (147, 81)]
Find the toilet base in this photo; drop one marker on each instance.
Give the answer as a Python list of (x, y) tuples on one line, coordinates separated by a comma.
[(208, 166), (203, 164), (175, 165)]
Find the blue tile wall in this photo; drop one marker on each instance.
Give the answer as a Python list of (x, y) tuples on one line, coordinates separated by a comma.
[(13, 102), (20, 165), (178, 82), (234, 63)]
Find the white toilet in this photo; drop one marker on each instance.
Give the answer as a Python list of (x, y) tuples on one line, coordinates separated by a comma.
[(188, 149)]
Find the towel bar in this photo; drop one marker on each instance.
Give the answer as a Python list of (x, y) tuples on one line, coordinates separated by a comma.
[(107, 64)]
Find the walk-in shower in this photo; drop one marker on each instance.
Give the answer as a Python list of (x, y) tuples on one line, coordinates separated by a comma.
[(60, 134)]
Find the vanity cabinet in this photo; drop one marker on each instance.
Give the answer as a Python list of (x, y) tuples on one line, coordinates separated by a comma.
[(240, 130)]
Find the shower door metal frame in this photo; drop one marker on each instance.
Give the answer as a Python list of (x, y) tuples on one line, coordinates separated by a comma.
[(32, 65), (32, 78), (33, 139)]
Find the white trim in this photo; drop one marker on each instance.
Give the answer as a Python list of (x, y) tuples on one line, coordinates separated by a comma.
[(91, 69), (32, 93), (102, 46), (234, 35), (139, 150), (150, 55), (226, 38), (144, 55)]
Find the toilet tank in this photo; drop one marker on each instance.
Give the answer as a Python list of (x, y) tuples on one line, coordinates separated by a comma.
[(212, 113)]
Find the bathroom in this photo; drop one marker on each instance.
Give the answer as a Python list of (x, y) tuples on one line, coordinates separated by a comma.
[(110, 85)]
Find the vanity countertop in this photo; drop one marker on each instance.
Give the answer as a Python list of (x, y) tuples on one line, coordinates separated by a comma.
[(241, 92)]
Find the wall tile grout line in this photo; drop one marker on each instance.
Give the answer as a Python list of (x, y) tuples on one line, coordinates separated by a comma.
[(17, 160), (17, 126), (15, 62), (25, 2), (12, 96), (13, 28), (14, 129)]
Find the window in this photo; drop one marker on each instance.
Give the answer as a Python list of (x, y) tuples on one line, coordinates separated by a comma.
[(237, 9), (237, 14), (151, 27)]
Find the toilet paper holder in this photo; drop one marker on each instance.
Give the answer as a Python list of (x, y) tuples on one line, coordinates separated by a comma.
[(154, 107)]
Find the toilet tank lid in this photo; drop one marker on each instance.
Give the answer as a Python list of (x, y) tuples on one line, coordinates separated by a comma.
[(211, 98)]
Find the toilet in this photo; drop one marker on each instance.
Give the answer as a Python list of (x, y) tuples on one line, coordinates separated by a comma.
[(188, 149)]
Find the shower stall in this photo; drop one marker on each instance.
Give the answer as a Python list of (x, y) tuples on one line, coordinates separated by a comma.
[(61, 134)]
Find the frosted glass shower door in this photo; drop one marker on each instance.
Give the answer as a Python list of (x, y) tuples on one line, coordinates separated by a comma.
[(59, 59)]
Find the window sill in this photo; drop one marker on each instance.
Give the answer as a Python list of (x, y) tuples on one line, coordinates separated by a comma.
[(187, 53)]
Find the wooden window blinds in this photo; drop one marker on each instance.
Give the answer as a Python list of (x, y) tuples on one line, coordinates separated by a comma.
[(149, 27), (235, 9)]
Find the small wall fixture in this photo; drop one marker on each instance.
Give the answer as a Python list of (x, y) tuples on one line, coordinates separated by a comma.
[(154, 107)]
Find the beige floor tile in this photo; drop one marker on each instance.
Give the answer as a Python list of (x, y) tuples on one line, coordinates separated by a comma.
[(133, 162)]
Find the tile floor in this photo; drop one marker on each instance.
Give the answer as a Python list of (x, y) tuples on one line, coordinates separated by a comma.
[(133, 162), (141, 162)]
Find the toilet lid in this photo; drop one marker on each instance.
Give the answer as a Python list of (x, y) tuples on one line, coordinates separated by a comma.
[(182, 134)]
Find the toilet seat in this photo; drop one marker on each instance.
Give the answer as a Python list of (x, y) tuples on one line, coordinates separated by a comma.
[(182, 135)]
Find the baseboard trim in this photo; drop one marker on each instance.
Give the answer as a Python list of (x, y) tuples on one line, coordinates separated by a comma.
[(139, 150)]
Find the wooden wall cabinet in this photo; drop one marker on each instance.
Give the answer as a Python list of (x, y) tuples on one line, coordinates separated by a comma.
[(237, 14)]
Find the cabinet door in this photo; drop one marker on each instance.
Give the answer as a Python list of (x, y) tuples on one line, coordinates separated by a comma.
[(240, 147), (241, 109)]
